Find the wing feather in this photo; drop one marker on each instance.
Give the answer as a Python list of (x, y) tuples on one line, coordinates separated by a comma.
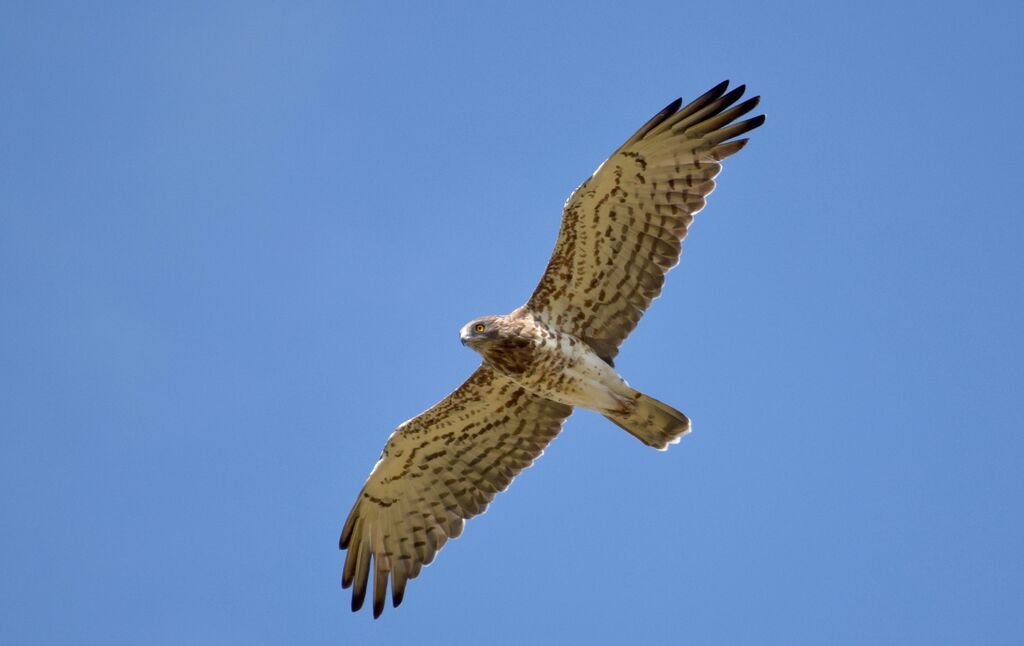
[(437, 470), (622, 229)]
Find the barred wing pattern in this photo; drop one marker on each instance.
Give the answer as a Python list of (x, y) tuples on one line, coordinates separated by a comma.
[(437, 470), (622, 229)]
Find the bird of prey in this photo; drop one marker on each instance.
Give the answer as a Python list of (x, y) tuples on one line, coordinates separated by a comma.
[(621, 232)]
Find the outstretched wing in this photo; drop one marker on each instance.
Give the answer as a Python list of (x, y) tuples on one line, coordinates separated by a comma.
[(437, 470), (622, 229)]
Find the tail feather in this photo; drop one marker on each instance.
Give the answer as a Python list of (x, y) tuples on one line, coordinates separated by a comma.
[(653, 422)]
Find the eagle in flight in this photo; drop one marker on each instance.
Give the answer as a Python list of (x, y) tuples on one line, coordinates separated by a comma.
[(621, 232)]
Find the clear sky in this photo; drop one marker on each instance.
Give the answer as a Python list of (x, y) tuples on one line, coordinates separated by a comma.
[(237, 242)]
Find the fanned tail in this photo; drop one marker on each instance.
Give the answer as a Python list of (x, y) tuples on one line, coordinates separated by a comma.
[(652, 422)]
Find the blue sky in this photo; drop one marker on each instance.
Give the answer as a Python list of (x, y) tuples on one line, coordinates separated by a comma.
[(237, 242)]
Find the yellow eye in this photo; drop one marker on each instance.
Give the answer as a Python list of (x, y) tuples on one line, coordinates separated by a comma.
[(479, 327)]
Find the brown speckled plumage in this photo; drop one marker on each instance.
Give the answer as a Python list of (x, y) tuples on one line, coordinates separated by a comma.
[(621, 231)]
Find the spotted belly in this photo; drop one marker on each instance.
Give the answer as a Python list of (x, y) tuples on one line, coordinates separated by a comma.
[(567, 370)]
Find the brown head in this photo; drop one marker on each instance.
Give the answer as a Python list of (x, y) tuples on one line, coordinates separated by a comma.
[(481, 332), (504, 342)]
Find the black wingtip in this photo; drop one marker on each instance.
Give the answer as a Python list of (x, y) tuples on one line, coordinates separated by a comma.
[(396, 597), (378, 607), (671, 108), (712, 94), (357, 599), (731, 96)]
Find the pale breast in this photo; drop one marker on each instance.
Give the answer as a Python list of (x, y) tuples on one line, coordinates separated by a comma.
[(564, 368)]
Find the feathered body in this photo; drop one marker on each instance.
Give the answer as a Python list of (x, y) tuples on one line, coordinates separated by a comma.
[(546, 361), (559, 366), (621, 232)]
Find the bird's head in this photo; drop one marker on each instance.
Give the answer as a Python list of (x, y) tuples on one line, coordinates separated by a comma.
[(478, 332)]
